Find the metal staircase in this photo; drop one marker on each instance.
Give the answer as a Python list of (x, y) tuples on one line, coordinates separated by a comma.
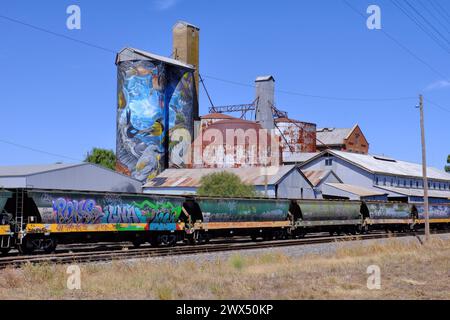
[(20, 195)]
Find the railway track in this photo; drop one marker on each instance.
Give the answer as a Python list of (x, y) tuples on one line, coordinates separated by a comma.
[(111, 255)]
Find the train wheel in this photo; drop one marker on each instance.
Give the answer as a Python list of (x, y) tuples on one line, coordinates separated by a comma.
[(49, 245), (155, 241), (137, 243), (26, 247), (4, 251)]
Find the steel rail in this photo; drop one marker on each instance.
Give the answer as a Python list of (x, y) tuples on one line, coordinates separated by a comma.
[(102, 256)]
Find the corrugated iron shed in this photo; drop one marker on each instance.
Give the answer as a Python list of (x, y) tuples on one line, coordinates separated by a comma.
[(383, 165), (356, 190), (411, 192), (298, 157), (191, 177), (333, 136), (317, 176)]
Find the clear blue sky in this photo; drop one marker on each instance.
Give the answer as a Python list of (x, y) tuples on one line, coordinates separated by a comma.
[(60, 96)]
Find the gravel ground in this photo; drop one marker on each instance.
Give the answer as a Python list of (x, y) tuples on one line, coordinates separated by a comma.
[(291, 251)]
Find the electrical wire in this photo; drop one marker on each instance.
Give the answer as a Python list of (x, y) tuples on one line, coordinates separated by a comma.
[(421, 26), (38, 150), (415, 56)]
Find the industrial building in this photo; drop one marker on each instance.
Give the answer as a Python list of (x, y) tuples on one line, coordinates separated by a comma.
[(313, 163), (399, 180), (281, 182), (79, 177), (342, 139)]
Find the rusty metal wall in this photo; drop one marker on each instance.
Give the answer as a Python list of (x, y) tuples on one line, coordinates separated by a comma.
[(297, 136)]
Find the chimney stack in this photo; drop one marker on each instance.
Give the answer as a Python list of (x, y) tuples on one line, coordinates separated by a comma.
[(186, 46), (265, 93)]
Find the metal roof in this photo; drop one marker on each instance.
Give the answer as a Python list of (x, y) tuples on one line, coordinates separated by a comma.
[(298, 157), (185, 23), (129, 54), (191, 177), (27, 170), (382, 165), (264, 78), (376, 164), (217, 116), (417, 192), (356, 190), (317, 176), (333, 136)]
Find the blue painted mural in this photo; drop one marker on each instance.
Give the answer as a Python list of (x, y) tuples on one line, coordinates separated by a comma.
[(154, 100)]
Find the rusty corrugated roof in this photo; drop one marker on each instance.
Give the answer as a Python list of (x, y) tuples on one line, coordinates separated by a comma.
[(316, 176), (217, 116), (191, 177)]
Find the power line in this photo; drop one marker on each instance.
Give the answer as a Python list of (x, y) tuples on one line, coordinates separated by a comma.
[(440, 9), (400, 45), (38, 150), (311, 95), (60, 35), (434, 16), (421, 26), (427, 22), (438, 105)]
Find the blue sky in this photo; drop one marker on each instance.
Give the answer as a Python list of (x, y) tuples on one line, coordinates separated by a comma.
[(60, 96)]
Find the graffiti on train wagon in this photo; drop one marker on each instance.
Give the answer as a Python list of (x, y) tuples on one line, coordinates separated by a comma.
[(435, 211), (244, 210), (165, 212), (107, 209), (389, 211)]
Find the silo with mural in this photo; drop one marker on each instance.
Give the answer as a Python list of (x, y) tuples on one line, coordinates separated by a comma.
[(157, 105)]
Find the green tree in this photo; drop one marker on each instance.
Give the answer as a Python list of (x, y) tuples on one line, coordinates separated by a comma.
[(224, 184), (447, 168), (103, 157)]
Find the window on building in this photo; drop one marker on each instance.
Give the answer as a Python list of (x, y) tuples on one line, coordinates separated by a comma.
[(434, 185), (376, 180), (404, 183), (392, 182), (417, 184), (328, 162), (384, 181), (410, 183)]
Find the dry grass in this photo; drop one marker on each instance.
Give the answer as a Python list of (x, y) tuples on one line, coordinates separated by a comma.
[(408, 271)]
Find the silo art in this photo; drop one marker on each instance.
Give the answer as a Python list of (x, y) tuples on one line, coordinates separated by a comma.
[(154, 99)]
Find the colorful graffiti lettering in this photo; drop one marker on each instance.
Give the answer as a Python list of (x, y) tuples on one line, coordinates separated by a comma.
[(73, 211), (159, 212), (107, 209)]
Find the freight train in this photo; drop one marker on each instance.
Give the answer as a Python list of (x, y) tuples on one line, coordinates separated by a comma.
[(37, 220)]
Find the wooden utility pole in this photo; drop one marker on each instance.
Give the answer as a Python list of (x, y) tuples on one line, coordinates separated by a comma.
[(424, 172)]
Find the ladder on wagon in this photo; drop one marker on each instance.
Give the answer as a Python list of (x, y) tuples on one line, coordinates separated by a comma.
[(20, 195)]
